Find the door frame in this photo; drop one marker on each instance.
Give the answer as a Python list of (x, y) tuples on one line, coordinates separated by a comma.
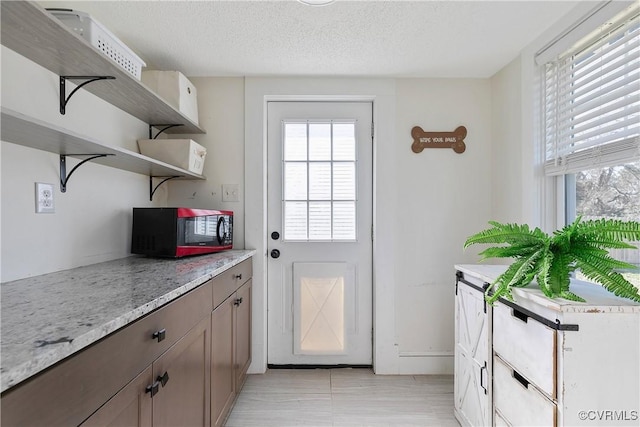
[(358, 317), (381, 93)]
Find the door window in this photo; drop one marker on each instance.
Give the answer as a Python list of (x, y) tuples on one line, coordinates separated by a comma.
[(319, 180)]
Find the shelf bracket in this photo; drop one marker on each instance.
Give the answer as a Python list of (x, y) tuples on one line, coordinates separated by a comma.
[(153, 189), (64, 99), (166, 127), (64, 178)]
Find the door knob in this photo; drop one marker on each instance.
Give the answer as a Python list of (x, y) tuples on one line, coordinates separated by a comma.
[(275, 253)]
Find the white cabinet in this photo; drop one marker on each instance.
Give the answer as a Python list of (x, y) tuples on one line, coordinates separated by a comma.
[(559, 362), (472, 389)]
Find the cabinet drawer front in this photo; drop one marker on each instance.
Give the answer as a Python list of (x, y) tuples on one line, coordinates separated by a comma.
[(226, 283), (517, 402), (526, 344), (70, 391)]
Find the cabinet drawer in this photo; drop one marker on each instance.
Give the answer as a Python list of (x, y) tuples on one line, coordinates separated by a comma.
[(517, 402), (527, 345), (228, 282), (67, 393)]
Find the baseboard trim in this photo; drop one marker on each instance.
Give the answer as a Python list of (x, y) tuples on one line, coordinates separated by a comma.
[(295, 366)]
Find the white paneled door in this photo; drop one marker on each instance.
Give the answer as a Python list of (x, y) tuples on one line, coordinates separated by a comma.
[(319, 218)]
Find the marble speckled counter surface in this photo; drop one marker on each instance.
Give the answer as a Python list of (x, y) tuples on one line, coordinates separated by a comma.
[(49, 317)]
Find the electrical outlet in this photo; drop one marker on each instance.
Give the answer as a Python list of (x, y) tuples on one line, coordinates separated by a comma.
[(44, 198), (230, 193)]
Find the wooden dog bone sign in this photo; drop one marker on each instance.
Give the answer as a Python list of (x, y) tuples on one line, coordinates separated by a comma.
[(422, 139)]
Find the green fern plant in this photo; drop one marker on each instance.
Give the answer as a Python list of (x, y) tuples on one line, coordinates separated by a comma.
[(551, 259)]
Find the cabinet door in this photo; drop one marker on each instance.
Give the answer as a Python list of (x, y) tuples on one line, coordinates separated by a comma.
[(243, 334), (183, 372), (130, 407), (222, 372), (471, 388)]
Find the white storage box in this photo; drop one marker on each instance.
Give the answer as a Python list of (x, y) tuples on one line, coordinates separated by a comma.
[(184, 153), (101, 38), (176, 89)]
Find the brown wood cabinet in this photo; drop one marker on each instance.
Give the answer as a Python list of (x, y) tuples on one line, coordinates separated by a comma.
[(183, 372), (130, 407), (231, 339), (242, 357), (189, 377), (173, 391), (222, 366)]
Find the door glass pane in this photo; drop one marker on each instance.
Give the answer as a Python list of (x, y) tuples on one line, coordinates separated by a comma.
[(295, 181), (295, 220), (295, 141), (327, 176), (320, 220), (344, 220), (344, 141), (344, 181), (320, 181), (320, 141)]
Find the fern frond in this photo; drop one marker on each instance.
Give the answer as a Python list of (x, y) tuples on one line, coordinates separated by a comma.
[(571, 296), (551, 259), (600, 258), (509, 251), (559, 273), (597, 270), (611, 229), (544, 265), (602, 242), (518, 274), (506, 233)]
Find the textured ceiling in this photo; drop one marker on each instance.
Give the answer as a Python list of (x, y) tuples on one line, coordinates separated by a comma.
[(346, 38)]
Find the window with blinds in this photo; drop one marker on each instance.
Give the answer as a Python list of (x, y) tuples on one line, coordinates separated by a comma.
[(319, 180), (591, 99)]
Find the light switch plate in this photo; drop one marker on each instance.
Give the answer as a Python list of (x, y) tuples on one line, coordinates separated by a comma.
[(230, 192), (44, 198)]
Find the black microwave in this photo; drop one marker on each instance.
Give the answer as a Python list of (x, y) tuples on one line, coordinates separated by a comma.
[(178, 232)]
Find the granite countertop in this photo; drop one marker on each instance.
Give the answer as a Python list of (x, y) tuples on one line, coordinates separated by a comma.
[(47, 318)]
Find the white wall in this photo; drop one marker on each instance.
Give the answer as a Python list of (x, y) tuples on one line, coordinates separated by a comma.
[(92, 222), (221, 114), (441, 198), (506, 125), (425, 206)]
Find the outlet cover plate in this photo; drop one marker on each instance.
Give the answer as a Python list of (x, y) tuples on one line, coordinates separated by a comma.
[(44, 198), (230, 193)]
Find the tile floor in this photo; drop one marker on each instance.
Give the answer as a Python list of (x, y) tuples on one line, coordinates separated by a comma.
[(343, 397)]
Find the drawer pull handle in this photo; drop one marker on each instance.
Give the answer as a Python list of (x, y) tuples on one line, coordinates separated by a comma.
[(160, 335), (522, 380), (238, 276), (520, 315), (164, 379), (153, 388), (238, 301)]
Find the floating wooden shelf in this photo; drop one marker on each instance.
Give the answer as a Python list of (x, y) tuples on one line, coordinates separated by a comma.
[(34, 33), (30, 132)]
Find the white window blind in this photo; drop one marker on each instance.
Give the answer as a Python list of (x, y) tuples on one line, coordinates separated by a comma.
[(592, 99)]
